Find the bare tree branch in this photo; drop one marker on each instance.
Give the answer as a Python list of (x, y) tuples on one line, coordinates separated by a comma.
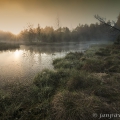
[(102, 20)]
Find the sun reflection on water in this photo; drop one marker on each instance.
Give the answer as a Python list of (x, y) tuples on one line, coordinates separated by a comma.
[(43, 54), (18, 53)]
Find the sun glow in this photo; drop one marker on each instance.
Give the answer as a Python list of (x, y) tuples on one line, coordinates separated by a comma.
[(17, 53)]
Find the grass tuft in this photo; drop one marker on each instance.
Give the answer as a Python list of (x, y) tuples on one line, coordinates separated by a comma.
[(80, 85)]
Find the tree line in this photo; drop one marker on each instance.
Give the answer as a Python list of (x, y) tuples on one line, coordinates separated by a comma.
[(64, 34), (48, 34)]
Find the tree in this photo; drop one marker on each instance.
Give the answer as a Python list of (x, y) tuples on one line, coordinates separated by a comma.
[(58, 22), (103, 20), (118, 22), (31, 33), (115, 27), (65, 34), (38, 33)]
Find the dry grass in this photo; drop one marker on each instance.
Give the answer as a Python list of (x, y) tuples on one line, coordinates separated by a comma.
[(80, 85)]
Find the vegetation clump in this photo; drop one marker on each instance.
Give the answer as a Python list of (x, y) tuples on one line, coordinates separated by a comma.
[(80, 85)]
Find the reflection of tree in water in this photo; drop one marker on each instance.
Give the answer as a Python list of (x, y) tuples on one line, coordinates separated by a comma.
[(51, 49)]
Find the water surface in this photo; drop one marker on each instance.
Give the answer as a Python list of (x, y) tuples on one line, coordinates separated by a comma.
[(21, 65)]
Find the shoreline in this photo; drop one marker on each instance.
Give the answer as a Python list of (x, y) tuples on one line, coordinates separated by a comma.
[(92, 78)]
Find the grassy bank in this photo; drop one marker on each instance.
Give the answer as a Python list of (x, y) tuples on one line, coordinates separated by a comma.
[(82, 84), (8, 46)]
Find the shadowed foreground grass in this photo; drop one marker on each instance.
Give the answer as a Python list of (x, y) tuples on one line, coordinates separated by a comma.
[(82, 84)]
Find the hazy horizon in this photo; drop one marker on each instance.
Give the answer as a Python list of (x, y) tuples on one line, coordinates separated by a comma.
[(16, 14)]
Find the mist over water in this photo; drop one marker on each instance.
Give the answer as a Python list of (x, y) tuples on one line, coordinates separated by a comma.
[(22, 65)]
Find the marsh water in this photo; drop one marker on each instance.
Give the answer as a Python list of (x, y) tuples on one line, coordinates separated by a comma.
[(21, 65)]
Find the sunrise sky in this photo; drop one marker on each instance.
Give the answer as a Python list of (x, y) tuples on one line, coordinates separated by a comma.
[(16, 14)]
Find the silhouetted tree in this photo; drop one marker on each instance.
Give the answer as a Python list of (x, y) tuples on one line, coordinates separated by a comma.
[(103, 20), (118, 22), (31, 33), (38, 33), (115, 26)]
